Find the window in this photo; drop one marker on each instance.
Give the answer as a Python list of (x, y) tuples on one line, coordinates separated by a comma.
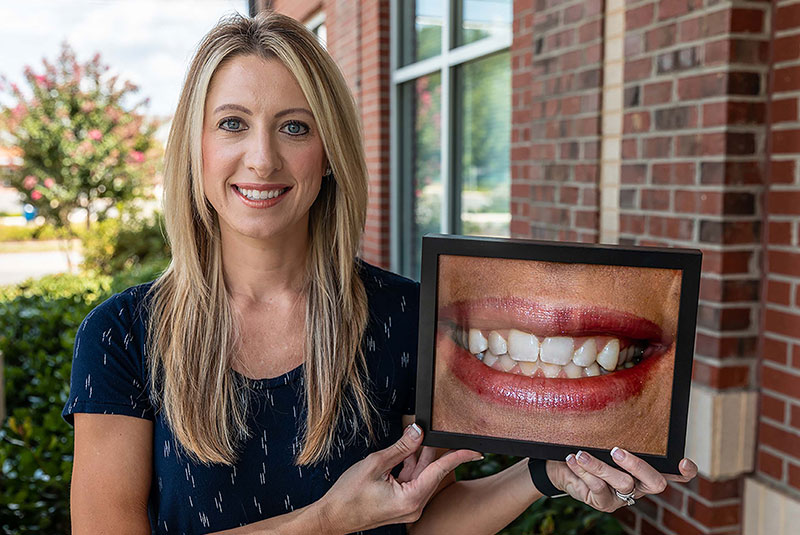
[(317, 26), (451, 122)]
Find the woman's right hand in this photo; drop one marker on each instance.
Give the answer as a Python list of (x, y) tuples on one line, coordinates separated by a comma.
[(367, 495)]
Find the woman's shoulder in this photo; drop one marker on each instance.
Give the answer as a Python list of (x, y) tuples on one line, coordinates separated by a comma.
[(127, 307), (376, 277)]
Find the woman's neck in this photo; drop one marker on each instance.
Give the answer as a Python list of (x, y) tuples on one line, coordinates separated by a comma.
[(257, 271)]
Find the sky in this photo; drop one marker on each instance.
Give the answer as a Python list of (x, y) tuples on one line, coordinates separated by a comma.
[(148, 42)]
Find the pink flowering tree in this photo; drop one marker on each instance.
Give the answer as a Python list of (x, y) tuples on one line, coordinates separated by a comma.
[(85, 143)]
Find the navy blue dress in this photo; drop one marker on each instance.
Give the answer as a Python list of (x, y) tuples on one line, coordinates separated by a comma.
[(109, 377)]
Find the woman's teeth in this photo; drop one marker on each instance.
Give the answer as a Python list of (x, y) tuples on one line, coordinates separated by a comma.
[(516, 351), (256, 195)]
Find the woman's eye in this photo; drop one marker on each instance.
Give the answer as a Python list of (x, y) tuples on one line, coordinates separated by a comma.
[(295, 128), (231, 124)]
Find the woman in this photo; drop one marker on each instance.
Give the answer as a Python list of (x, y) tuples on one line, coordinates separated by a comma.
[(261, 384)]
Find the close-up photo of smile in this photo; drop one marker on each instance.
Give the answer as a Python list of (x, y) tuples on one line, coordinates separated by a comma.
[(572, 359)]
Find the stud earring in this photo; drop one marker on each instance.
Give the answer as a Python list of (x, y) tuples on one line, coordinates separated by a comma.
[(328, 172)]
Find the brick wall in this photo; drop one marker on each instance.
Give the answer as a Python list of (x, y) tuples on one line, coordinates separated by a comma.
[(358, 39), (557, 64), (779, 419), (692, 175)]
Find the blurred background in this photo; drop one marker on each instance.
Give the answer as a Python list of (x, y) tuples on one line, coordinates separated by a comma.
[(649, 122)]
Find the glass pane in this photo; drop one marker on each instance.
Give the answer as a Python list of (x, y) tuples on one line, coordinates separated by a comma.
[(482, 18), (421, 36), (422, 164), (483, 140)]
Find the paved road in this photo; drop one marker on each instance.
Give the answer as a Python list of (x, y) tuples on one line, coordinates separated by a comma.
[(16, 267)]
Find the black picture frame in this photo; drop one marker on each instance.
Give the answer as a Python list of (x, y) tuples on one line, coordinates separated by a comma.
[(686, 260)]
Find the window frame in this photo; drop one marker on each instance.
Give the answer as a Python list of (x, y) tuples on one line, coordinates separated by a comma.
[(446, 63)]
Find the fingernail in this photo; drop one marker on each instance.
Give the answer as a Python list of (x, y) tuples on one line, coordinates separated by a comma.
[(478, 458), (583, 457), (618, 454), (413, 431), (570, 458)]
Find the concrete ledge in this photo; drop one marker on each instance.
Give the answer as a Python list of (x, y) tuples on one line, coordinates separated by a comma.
[(767, 511), (720, 436)]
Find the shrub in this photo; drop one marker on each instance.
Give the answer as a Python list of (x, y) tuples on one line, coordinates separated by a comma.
[(38, 321), (548, 516), (114, 245)]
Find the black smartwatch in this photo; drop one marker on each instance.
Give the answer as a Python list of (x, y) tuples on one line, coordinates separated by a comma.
[(538, 470)]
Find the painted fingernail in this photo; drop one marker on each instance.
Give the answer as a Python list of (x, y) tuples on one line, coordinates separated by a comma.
[(413, 431), (583, 457), (570, 458), (478, 458), (618, 454)]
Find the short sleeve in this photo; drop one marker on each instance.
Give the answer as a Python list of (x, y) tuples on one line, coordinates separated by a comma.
[(108, 365)]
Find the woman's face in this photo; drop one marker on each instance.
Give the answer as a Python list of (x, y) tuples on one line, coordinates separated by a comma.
[(263, 157), (572, 354)]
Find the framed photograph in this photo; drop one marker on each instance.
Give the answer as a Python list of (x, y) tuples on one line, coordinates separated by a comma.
[(538, 349)]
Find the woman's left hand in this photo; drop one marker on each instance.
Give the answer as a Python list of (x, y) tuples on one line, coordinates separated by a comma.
[(593, 482)]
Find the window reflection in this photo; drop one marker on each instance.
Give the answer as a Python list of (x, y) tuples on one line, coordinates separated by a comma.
[(484, 137), (422, 30), (479, 19)]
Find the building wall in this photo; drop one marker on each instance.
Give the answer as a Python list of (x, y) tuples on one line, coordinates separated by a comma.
[(705, 157), (358, 40)]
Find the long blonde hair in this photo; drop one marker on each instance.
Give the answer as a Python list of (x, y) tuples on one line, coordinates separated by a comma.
[(192, 328)]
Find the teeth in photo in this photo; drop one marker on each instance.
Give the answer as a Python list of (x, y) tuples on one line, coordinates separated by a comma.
[(506, 362), (609, 356), (477, 342), (523, 346), (586, 354), (573, 371), (592, 370), (489, 358), (528, 368), (550, 370), (497, 344), (556, 350)]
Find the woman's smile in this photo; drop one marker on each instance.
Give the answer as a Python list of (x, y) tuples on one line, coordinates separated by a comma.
[(559, 353)]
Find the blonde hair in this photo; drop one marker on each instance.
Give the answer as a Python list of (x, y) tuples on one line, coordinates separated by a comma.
[(192, 328)]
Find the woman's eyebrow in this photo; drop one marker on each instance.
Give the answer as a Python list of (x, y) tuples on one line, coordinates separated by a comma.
[(236, 107), (293, 110)]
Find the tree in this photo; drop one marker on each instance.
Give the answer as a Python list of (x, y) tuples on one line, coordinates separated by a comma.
[(85, 145)]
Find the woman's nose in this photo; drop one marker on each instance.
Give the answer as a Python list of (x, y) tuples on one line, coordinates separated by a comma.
[(262, 156)]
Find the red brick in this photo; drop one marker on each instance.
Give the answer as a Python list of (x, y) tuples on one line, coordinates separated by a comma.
[(770, 464), (661, 36), (633, 173), (784, 202), (786, 48), (721, 378), (638, 17), (673, 173), (782, 171), (787, 17), (691, 29), (657, 93), (773, 408), (678, 524), (655, 199), (747, 20), (631, 224), (630, 149), (786, 79), (730, 232), (794, 476), (657, 147), (702, 86), (784, 263), (714, 517), (779, 439), (638, 69), (636, 122), (704, 202), (671, 227), (784, 110), (717, 22), (676, 8), (727, 262), (716, 490), (590, 31), (794, 417), (780, 233), (780, 381), (726, 346), (779, 292), (673, 495)]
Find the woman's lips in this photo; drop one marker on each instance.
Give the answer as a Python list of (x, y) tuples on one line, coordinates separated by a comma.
[(583, 394), (537, 393)]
